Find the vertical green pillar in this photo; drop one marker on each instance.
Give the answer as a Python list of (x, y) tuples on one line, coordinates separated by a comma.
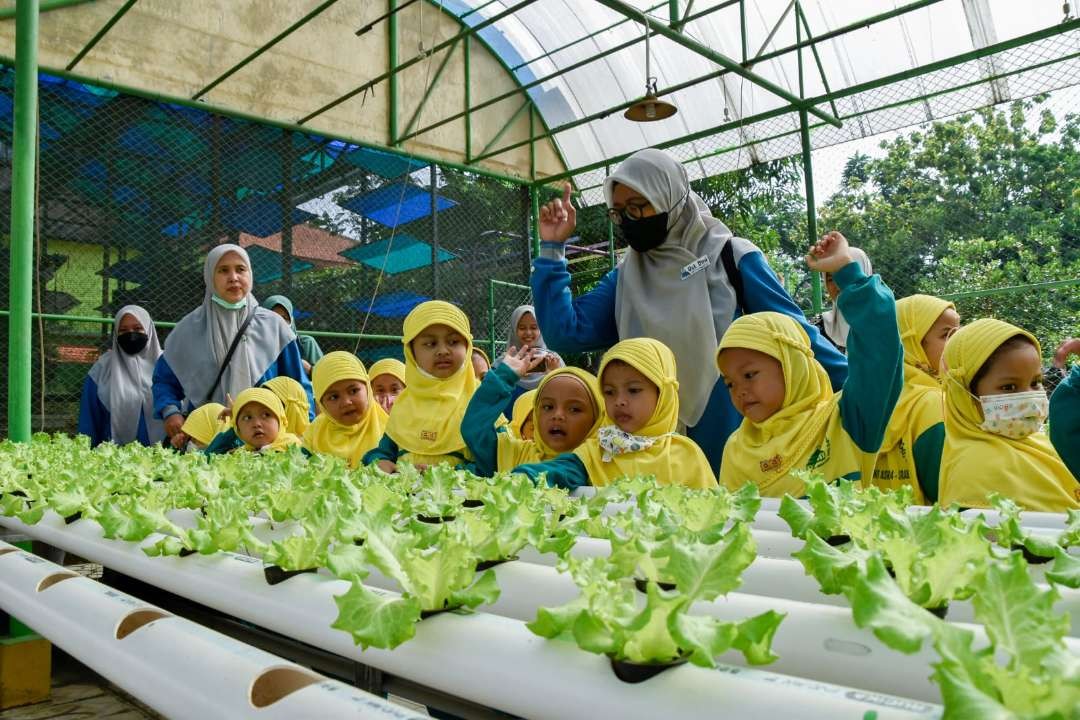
[(391, 67), (22, 219), (811, 207), (610, 229), (467, 59), (534, 200), (491, 320)]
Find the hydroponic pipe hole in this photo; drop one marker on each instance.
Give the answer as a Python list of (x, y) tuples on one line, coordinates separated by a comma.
[(49, 580), (137, 619), (277, 683)]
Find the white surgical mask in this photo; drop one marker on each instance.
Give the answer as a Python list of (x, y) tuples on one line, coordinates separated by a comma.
[(1015, 415)]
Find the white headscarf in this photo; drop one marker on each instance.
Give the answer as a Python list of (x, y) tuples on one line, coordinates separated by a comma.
[(124, 382), (655, 298), (836, 326), (533, 379), (197, 346)]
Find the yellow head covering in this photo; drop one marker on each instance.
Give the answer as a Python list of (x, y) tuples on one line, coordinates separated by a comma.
[(672, 459), (523, 407), (203, 424), (388, 366), (765, 452), (975, 462), (327, 435), (427, 415), (271, 402), (480, 351), (513, 451), (295, 399)]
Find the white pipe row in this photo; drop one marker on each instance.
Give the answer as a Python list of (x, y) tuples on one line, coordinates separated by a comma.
[(491, 660), (177, 667)]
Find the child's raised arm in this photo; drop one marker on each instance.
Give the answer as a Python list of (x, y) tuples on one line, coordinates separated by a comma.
[(478, 425)]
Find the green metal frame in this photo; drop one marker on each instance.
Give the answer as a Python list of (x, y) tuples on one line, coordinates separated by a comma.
[(392, 71), (101, 33), (492, 284), (9, 13), (1012, 289), (467, 62), (427, 94), (503, 130)]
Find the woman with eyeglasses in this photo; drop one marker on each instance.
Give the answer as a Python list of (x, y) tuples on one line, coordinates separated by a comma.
[(684, 279)]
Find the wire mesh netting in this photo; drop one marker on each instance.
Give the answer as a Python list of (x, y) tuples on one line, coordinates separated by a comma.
[(132, 193)]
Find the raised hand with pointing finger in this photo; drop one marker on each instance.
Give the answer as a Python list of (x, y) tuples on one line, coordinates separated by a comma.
[(558, 218)]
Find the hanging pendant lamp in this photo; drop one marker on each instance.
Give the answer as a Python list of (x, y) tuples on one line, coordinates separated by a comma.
[(649, 108)]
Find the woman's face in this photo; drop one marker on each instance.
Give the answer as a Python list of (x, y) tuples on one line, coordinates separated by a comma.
[(129, 324), (630, 202), (232, 278), (528, 332), (282, 313)]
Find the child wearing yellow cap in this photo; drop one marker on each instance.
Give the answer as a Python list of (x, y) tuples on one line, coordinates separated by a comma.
[(425, 425), (911, 451), (295, 399), (350, 422), (522, 424), (260, 421), (203, 424), (387, 381), (995, 407), (792, 420), (641, 403), (566, 409), (1065, 409)]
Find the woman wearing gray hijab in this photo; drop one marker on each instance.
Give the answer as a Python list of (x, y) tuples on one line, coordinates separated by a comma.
[(524, 330), (117, 402), (682, 281), (193, 369)]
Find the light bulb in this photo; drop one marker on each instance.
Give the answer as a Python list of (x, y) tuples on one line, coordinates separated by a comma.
[(650, 111)]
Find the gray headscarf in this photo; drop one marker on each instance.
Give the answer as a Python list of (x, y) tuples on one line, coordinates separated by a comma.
[(124, 382), (836, 326), (197, 346), (531, 380), (659, 294)]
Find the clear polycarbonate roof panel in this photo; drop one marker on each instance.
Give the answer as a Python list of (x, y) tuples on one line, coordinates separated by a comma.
[(585, 104)]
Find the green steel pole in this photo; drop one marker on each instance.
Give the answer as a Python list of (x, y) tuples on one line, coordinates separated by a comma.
[(47, 6), (22, 220), (391, 62), (491, 320), (811, 208), (467, 59), (534, 200), (610, 229)]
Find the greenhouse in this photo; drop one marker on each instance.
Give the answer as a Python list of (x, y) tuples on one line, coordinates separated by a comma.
[(540, 358)]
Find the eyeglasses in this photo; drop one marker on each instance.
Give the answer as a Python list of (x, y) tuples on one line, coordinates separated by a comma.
[(630, 212)]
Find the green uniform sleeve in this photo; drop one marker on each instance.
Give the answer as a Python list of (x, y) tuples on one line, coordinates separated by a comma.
[(1065, 421), (565, 471), (478, 424), (875, 356), (225, 441), (928, 459), (387, 449)]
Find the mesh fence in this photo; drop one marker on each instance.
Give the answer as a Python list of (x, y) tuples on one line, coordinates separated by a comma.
[(132, 193)]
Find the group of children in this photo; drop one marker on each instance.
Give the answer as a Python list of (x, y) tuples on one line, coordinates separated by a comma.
[(956, 413)]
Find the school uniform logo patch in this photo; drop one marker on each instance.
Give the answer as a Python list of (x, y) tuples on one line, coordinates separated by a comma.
[(820, 456), (772, 464), (429, 435)]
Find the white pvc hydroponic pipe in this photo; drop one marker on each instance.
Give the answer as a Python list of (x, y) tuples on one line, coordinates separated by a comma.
[(179, 668), (488, 659)]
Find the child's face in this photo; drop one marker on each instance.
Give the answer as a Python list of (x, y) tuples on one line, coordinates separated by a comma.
[(1017, 369), (527, 428), (933, 343), (479, 366), (346, 401), (565, 413), (232, 278), (257, 425), (282, 313), (386, 388), (528, 332), (629, 396), (755, 381), (831, 287), (439, 350)]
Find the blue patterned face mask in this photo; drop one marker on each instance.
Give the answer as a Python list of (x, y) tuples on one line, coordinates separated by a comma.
[(238, 305), (616, 441)]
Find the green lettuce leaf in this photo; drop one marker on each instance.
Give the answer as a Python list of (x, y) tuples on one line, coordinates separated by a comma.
[(376, 619)]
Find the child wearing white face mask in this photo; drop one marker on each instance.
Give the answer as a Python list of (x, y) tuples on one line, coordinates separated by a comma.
[(995, 409)]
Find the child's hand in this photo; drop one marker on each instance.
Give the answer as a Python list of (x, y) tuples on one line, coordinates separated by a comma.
[(387, 467), (520, 360), (551, 362), (558, 218), (830, 253), (1067, 348)]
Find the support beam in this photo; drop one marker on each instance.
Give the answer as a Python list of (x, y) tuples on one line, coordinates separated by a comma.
[(395, 68), (811, 206), (503, 130), (47, 6), (427, 93), (258, 52), (392, 65), (101, 33), (468, 98), (21, 252)]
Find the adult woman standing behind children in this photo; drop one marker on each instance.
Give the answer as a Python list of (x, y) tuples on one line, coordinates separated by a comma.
[(683, 280), (197, 366)]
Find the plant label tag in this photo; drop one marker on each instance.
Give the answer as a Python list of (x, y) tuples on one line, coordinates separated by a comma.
[(695, 267)]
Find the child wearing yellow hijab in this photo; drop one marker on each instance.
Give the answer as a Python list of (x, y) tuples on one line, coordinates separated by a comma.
[(295, 399), (203, 424), (522, 424), (387, 381), (566, 408), (425, 426), (911, 451), (350, 422), (641, 403), (792, 420), (995, 407), (260, 421)]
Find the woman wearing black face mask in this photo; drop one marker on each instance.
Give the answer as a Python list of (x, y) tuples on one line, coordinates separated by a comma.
[(117, 402), (683, 280)]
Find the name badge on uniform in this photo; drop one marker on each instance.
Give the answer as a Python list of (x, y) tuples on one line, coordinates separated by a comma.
[(695, 267)]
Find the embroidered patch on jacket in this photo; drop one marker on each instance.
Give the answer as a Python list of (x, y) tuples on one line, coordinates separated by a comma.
[(820, 456), (695, 267), (428, 435), (772, 464)]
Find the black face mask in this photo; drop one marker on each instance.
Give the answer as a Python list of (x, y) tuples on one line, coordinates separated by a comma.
[(646, 233), (132, 342)]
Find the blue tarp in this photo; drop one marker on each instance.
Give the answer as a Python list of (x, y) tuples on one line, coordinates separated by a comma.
[(405, 253), (391, 305), (396, 204), (261, 216), (266, 264)]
